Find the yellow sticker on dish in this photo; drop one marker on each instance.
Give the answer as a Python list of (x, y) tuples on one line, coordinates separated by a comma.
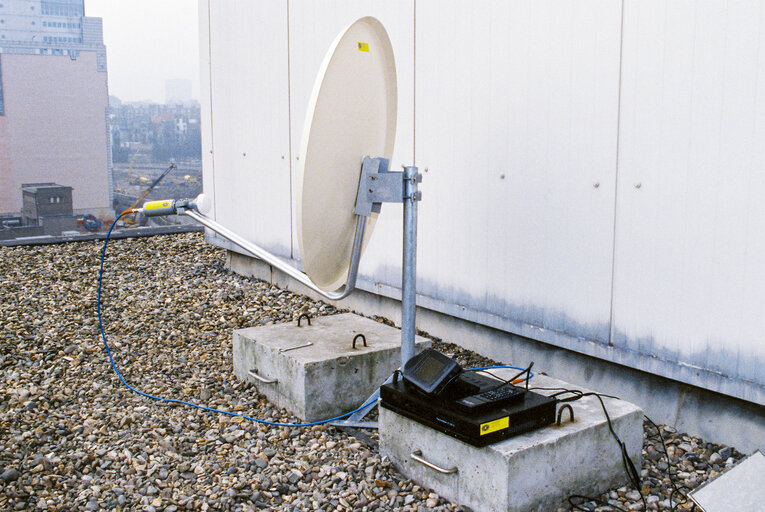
[(363, 47), (493, 426)]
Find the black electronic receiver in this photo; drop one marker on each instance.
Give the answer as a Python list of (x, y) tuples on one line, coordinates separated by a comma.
[(475, 408)]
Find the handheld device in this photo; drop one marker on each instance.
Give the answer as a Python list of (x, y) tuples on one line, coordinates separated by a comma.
[(431, 371)]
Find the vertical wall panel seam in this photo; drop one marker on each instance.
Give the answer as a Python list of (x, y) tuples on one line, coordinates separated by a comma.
[(289, 126), (616, 178), (212, 124)]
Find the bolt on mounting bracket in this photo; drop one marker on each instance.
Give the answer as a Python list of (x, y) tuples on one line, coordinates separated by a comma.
[(378, 185)]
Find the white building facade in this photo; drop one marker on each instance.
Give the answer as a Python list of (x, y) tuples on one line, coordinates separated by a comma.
[(592, 169)]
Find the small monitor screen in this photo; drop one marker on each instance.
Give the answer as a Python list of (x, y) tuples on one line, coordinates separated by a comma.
[(430, 369)]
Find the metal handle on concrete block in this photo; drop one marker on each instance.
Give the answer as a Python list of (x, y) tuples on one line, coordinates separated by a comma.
[(560, 413), (296, 347), (417, 455), (264, 380), (363, 339)]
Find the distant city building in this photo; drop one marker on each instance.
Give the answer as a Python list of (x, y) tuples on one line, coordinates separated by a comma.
[(53, 103), (177, 90), (153, 131)]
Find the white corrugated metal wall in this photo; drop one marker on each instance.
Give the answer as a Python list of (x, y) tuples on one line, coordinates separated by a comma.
[(593, 167)]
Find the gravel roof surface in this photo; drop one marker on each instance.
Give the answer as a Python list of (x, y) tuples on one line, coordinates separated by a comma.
[(72, 437)]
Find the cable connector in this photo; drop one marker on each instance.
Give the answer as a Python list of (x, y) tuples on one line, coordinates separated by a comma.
[(172, 206), (158, 208)]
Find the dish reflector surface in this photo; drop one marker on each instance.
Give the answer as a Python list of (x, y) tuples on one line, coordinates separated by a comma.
[(351, 114)]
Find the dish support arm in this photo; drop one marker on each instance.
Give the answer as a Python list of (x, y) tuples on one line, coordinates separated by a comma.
[(275, 261)]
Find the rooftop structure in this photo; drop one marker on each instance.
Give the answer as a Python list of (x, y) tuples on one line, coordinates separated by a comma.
[(44, 199)]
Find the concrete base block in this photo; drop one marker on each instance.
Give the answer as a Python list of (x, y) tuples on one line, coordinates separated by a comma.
[(536, 471), (326, 378)]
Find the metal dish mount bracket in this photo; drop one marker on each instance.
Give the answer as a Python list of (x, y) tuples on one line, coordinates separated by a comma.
[(379, 185)]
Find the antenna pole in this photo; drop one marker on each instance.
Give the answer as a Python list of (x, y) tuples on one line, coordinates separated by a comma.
[(409, 263)]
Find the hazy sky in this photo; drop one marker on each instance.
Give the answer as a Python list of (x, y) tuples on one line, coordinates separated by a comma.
[(148, 42)]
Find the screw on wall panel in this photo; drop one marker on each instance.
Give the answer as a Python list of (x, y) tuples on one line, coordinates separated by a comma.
[(426, 169), (244, 154), (596, 184), (638, 185), (502, 176)]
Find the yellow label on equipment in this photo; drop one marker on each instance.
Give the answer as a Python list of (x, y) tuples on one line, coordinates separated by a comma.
[(154, 205), (363, 47), (493, 426)]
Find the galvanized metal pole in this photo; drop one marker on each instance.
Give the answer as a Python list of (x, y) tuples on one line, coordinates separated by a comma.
[(409, 271)]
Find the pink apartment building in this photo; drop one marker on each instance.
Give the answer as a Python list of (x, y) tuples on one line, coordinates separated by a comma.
[(53, 102)]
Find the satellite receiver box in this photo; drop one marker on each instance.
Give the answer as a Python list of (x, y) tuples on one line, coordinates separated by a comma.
[(473, 408)]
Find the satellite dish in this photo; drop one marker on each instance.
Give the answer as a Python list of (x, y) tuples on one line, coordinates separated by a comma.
[(343, 176), (351, 115)]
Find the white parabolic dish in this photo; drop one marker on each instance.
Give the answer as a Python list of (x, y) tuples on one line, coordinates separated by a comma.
[(351, 115)]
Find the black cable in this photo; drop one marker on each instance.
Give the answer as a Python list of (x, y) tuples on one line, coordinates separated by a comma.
[(675, 488), (525, 371), (629, 466), (577, 392), (598, 501)]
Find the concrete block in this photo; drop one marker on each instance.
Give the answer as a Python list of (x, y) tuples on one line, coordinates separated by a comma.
[(327, 378), (536, 471)]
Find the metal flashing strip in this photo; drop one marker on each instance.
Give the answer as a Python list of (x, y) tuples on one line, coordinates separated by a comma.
[(741, 488)]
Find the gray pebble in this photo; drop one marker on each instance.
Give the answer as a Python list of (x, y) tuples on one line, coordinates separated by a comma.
[(10, 475)]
